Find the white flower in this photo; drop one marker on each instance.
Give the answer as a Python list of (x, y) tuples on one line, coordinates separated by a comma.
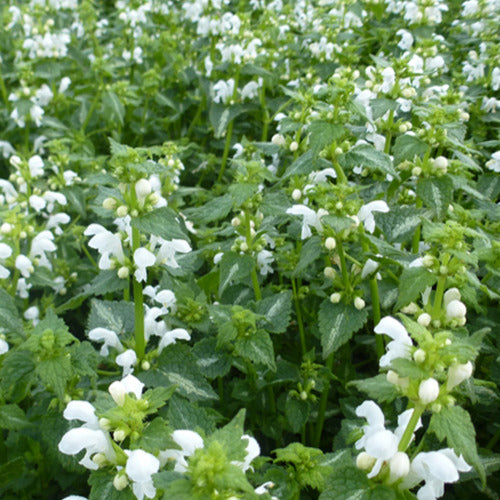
[(24, 265), (264, 260), (310, 219), (365, 214), (406, 39), (35, 164), (400, 346), (428, 391), (140, 467), (127, 360), (143, 259), (52, 197), (378, 442), (457, 374), (64, 84), (494, 163), (108, 337), (169, 337), (106, 243), (4, 347), (89, 436), (43, 242), (168, 249), (164, 297), (250, 90), (455, 310), (223, 91), (120, 388), (189, 441), (436, 468), (389, 76), (37, 202), (56, 220), (5, 253)]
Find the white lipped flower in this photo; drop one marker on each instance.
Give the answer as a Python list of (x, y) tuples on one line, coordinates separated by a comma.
[(5, 253), (127, 360), (428, 391), (4, 347), (170, 336), (264, 260), (378, 442), (310, 219), (189, 441), (127, 385), (106, 243), (365, 214), (43, 242), (400, 346), (140, 466), (24, 265), (168, 250), (435, 468), (143, 259), (164, 297), (253, 451), (88, 436), (35, 165), (108, 337), (457, 373)]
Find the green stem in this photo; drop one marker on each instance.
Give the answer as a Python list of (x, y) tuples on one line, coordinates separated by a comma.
[(322, 405), (343, 266), (126, 291), (438, 298), (196, 117), (298, 312), (416, 236), (265, 113), (92, 109), (388, 136), (3, 89), (379, 340), (140, 341), (410, 428)]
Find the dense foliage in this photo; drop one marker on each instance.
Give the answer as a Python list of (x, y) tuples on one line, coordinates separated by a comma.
[(249, 249)]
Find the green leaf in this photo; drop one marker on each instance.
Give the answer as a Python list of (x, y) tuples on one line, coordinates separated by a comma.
[(406, 147), (12, 418), (155, 437), (17, 373), (381, 106), (454, 424), (257, 348), (311, 250), (337, 323), (55, 372), (9, 316), (212, 211), (177, 366), (366, 155), (408, 368), (11, 471), (220, 117), (106, 282), (101, 483), (113, 108), (163, 479), (436, 193), (346, 483), (277, 309), (297, 412), (162, 222), (412, 282), (230, 437), (184, 414), (399, 224), (303, 165), (212, 363), (377, 388), (322, 134), (234, 268), (114, 315), (241, 192), (337, 223)]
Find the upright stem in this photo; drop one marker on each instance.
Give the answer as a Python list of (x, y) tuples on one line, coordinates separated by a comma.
[(438, 298), (416, 236), (140, 341), (388, 136), (343, 266), (322, 405), (410, 428), (265, 112), (298, 312)]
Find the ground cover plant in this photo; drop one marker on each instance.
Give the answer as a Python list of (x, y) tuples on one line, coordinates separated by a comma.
[(249, 249)]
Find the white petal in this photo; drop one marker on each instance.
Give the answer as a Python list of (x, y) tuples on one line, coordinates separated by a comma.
[(127, 360), (5, 251), (395, 329), (373, 414), (171, 336), (83, 411), (141, 465), (435, 465), (188, 440), (382, 444)]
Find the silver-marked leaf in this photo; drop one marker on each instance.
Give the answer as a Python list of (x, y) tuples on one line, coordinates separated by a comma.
[(436, 193), (234, 268)]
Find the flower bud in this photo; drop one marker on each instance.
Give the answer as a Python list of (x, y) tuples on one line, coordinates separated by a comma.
[(428, 391), (6, 228), (329, 272), (441, 163), (451, 294), (296, 194), (424, 319), (122, 211), (120, 481), (457, 374), (365, 461), (118, 392), (99, 459), (105, 424), (294, 146), (330, 243), (278, 140), (411, 308), (455, 310), (109, 203), (244, 246), (335, 298), (142, 188), (145, 365), (235, 221), (399, 466), (419, 356), (123, 272), (359, 303)]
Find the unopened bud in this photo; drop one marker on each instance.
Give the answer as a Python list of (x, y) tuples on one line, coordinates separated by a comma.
[(441, 163), (451, 294), (335, 298), (457, 374), (118, 392), (424, 319), (109, 203), (330, 243), (235, 221), (296, 194), (294, 146), (455, 310), (142, 188), (122, 211), (428, 391), (365, 461), (145, 365), (329, 272), (119, 435), (428, 261), (6, 228), (399, 466), (120, 482), (359, 303), (278, 140), (419, 356), (123, 272), (105, 424)]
